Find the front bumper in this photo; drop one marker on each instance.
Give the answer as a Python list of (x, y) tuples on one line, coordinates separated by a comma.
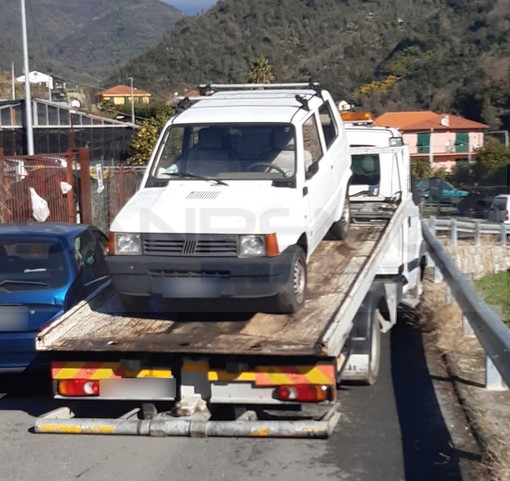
[(201, 278)]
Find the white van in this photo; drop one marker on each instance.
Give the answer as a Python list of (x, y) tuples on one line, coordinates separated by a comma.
[(500, 209), (244, 183)]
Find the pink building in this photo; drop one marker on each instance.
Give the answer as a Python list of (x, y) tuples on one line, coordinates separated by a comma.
[(443, 139)]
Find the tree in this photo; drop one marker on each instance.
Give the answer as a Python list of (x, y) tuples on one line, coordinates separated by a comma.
[(492, 163), (144, 140), (261, 71), (421, 169)]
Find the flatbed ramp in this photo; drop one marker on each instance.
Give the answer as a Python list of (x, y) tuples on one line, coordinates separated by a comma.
[(338, 272)]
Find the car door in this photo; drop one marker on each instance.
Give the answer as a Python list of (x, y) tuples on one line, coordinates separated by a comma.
[(318, 182)]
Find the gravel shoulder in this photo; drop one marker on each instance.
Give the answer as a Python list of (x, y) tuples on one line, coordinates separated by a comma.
[(488, 411)]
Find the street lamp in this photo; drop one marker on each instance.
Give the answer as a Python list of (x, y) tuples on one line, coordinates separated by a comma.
[(28, 96), (132, 101)]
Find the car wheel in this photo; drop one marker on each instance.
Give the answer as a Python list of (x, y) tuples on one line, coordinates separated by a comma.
[(340, 228), (292, 296), (134, 304)]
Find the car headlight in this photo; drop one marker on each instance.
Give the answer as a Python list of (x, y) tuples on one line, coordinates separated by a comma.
[(128, 244), (258, 245), (251, 246)]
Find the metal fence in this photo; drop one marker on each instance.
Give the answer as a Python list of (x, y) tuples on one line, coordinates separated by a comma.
[(53, 178), (111, 188), (468, 228), (73, 189), (493, 334)]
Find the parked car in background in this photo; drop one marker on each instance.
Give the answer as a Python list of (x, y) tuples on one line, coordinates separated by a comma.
[(499, 211), (440, 191), (45, 269)]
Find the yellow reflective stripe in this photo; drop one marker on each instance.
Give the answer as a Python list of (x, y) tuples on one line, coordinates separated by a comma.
[(278, 375), (229, 376), (107, 370), (195, 366)]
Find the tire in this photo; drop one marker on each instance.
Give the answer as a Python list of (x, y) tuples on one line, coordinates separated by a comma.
[(292, 296), (134, 304), (340, 229), (374, 355)]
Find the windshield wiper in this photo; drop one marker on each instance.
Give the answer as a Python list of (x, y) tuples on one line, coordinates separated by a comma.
[(189, 175), (31, 283)]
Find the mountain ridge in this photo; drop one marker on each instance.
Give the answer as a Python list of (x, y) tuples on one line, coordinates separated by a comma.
[(441, 55), (82, 41)]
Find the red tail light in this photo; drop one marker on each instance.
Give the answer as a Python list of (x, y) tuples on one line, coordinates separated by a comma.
[(78, 387), (506, 215), (305, 393)]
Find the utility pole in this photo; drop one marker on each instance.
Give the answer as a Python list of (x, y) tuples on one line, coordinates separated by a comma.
[(132, 101), (28, 96), (13, 80)]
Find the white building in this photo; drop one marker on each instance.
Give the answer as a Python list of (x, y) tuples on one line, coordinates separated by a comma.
[(36, 77)]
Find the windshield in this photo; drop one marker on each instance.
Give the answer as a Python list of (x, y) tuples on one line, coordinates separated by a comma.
[(28, 265), (226, 151)]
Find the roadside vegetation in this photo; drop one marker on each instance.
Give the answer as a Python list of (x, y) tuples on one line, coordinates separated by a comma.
[(495, 290)]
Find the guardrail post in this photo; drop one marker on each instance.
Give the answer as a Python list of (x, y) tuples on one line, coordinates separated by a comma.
[(493, 379), (466, 327), (503, 234), (478, 233), (448, 295), (453, 234)]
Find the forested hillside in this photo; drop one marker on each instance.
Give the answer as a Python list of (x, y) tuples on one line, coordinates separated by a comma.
[(82, 40), (443, 55)]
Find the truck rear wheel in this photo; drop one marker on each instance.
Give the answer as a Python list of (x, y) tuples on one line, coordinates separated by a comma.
[(292, 296), (374, 354), (340, 228)]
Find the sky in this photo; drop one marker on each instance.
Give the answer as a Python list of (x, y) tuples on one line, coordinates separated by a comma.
[(191, 7)]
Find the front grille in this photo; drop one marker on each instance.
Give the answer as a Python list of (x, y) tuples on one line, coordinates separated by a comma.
[(189, 245)]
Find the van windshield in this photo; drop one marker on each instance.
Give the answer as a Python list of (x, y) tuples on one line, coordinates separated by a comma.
[(226, 151), (365, 169)]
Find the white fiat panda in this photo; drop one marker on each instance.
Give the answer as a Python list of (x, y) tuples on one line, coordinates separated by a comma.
[(244, 183)]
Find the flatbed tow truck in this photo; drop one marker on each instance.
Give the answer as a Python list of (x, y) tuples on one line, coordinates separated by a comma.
[(251, 375)]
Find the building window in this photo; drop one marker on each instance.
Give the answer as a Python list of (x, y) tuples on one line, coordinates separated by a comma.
[(424, 143), (461, 142)]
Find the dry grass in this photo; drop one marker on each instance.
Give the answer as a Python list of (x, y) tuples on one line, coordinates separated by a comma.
[(443, 322)]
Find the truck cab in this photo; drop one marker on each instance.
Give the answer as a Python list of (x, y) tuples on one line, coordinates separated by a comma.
[(244, 183), (381, 168)]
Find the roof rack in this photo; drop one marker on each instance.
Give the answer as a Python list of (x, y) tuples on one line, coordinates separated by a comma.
[(206, 89)]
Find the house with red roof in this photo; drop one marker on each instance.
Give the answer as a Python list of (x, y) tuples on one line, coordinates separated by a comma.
[(443, 139), (121, 95)]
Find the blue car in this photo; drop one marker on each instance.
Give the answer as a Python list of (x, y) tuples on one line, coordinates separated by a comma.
[(45, 269), (440, 191)]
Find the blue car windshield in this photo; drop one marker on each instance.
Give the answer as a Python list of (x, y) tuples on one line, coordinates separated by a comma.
[(32, 264)]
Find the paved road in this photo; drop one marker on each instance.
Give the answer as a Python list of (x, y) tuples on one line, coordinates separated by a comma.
[(406, 427)]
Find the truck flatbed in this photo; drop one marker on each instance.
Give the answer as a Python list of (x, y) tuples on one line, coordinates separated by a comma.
[(339, 271)]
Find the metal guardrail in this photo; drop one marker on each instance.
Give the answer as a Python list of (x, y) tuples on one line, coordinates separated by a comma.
[(493, 334), (476, 228)]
